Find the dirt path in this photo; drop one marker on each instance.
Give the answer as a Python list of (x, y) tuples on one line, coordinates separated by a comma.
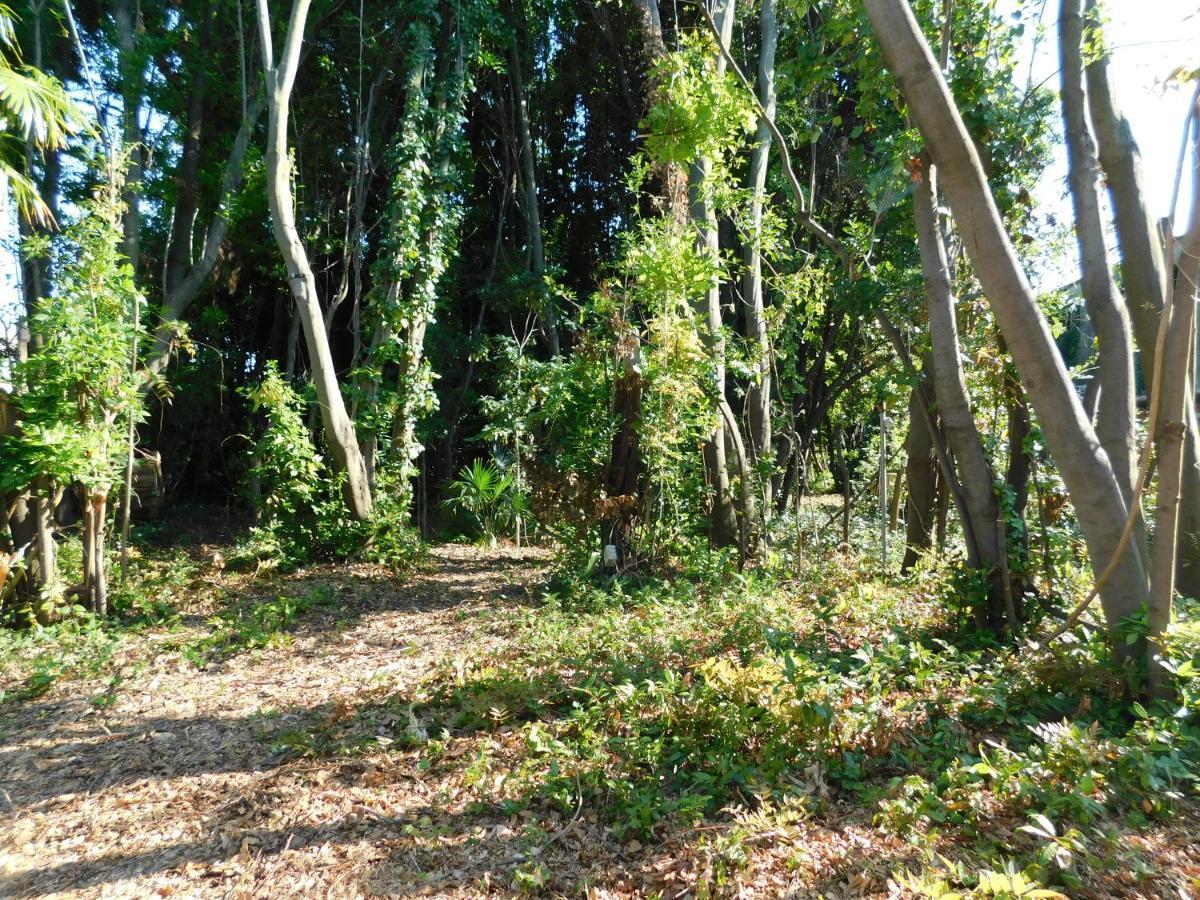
[(179, 786)]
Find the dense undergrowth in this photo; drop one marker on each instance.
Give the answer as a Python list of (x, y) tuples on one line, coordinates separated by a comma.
[(741, 703), (667, 704)]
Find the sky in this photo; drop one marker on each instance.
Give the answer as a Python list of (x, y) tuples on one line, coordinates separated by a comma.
[(1149, 39)]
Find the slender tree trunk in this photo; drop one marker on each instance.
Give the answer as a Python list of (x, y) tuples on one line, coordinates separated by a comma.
[(839, 444), (954, 404), (182, 287), (1115, 417), (187, 180), (758, 395), (529, 204), (1085, 466), (1144, 274), (724, 523), (1020, 467), (95, 581), (921, 471), (1177, 396), (339, 430), (128, 28)]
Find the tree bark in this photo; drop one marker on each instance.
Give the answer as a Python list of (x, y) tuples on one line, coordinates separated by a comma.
[(954, 403), (339, 430), (921, 472), (187, 187), (1085, 466), (1115, 416), (185, 285), (724, 528), (1176, 393), (529, 204), (95, 582), (131, 101), (758, 394), (1145, 276)]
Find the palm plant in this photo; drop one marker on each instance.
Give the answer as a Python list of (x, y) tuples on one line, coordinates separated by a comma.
[(34, 111), (485, 494)]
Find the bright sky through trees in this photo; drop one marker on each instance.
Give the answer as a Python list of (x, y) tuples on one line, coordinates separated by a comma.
[(1150, 43)]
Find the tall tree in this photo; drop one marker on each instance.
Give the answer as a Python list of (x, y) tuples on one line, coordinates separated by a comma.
[(703, 214), (280, 78), (1115, 417), (1085, 467), (758, 395)]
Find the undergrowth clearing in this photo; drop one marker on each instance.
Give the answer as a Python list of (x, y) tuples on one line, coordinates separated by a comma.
[(478, 726)]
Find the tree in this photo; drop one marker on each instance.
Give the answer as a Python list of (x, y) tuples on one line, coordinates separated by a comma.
[(758, 399), (280, 78), (1089, 474), (77, 391)]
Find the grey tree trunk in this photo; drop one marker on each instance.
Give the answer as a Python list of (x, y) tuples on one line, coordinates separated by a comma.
[(1176, 394), (724, 524), (1085, 466), (1115, 416), (1145, 276), (187, 177), (182, 286), (954, 403), (339, 430), (758, 395)]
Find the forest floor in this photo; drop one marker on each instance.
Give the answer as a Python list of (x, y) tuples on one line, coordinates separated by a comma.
[(207, 760)]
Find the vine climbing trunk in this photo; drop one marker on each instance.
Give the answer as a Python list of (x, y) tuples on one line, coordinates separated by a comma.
[(724, 529), (1143, 270), (1115, 415), (1177, 391), (339, 430)]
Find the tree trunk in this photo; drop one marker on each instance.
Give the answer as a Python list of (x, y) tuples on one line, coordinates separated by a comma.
[(339, 430), (183, 287), (1176, 394), (1020, 467), (1085, 466), (724, 529), (674, 180), (128, 27), (95, 581), (1144, 274), (187, 186), (954, 404), (529, 205), (839, 444), (1115, 416), (921, 471), (758, 394)]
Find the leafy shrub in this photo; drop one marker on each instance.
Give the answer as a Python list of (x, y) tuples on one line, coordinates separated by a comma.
[(302, 514)]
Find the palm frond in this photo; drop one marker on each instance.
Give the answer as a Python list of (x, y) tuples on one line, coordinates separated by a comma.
[(38, 103), (25, 193)]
